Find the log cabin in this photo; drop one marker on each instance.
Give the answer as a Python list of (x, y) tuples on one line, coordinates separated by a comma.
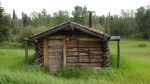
[(71, 45)]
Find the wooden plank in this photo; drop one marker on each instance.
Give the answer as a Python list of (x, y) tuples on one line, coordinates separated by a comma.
[(64, 52), (45, 48)]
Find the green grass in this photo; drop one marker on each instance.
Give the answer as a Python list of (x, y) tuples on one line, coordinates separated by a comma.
[(135, 67)]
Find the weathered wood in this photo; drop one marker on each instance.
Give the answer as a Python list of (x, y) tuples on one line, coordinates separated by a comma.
[(118, 51), (114, 38), (84, 64), (26, 50), (64, 52), (56, 37), (84, 39), (55, 50), (55, 58), (45, 46), (89, 39), (72, 50)]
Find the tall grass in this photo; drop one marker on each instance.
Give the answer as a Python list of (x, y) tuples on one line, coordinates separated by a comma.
[(135, 67)]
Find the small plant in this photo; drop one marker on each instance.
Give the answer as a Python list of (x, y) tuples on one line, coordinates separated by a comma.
[(142, 45)]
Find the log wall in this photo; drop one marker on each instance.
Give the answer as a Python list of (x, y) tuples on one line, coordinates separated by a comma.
[(39, 53), (82, 49)]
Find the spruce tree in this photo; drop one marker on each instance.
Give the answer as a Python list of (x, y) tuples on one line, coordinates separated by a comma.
[(4, 25)]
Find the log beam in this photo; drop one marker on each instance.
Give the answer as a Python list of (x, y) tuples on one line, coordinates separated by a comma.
[(114, 38)]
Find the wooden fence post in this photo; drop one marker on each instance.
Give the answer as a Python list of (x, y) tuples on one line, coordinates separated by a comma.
[(118, 51), (26, 50)]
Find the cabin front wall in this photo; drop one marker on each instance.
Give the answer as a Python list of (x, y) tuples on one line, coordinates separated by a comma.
[(74, 48)]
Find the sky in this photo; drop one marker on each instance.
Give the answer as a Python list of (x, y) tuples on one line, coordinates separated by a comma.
[(101, 7)]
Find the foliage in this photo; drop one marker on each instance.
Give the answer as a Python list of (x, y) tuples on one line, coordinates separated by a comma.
[(28, 31), (128, 23), (60, 17), (143, 20), (80, 15), (41, 19), (4, 25)]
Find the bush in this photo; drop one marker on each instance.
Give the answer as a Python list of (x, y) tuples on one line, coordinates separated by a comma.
[(146, 34)]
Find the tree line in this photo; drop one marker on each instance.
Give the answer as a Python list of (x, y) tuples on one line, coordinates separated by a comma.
[(129, 23)]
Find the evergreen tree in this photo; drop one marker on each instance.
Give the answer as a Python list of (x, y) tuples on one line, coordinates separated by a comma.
[(80, 15), (60, 17), (4, 25)]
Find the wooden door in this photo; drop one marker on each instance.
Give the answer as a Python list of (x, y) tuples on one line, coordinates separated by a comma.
[(55, 54)]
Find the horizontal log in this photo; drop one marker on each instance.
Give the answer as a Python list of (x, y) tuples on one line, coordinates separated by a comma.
[(90, 60), (71, 53), (71, 42), (88, 45), (41, 61), (85, 55), (41, 53), (55, 47), (96, 52), (55, 54), (84, 59), (90, 42), (84, 64), (82, 39), (85, 42), (56, 37), (71, 45), (55, 57), (83, 47), (55, 50), (114, 38), (72, 50), (41, 45), (89, 39), (71, 59)]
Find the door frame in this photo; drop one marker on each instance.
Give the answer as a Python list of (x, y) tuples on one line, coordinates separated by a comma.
[(45, 48)]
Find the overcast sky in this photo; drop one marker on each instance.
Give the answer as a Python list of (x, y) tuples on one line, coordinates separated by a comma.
[(99, 6)]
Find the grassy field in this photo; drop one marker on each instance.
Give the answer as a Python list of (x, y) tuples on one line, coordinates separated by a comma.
[(135, 67)]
